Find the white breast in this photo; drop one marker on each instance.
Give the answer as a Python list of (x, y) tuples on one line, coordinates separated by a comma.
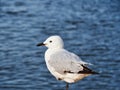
[(48, 53)]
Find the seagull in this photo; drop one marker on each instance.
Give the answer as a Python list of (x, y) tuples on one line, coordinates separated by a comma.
[(62, 64)]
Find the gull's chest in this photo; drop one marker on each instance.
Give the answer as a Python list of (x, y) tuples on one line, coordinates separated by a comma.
[(48, 54)]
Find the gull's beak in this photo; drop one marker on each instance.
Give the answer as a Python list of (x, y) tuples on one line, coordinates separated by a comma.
[(40, 44)]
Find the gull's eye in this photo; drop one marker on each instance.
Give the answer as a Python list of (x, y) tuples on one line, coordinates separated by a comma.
[(50, 41)]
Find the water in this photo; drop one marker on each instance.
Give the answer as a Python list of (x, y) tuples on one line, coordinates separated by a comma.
[(91, 29)]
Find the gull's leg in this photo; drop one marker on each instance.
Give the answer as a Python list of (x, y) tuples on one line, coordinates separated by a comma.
[(67, 86)]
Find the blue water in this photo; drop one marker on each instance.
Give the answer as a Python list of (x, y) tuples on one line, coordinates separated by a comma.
[(90, 28)]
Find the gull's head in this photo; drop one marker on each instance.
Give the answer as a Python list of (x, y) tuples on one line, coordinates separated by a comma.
[(53, 42)]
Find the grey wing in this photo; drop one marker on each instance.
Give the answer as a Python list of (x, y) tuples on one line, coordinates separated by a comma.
[(64, 62)]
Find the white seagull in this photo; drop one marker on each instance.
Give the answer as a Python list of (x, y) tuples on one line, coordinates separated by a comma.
[(62, 64)]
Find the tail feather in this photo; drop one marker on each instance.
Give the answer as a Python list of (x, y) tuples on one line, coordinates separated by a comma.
[(86, 70)]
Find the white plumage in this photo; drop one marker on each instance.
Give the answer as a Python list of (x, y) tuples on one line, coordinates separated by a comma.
[(63, 64)]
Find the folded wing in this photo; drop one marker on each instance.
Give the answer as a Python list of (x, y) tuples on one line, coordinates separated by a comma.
[(65, 62)]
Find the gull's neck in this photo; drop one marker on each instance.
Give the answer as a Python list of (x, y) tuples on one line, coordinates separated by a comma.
[(51, 51)]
